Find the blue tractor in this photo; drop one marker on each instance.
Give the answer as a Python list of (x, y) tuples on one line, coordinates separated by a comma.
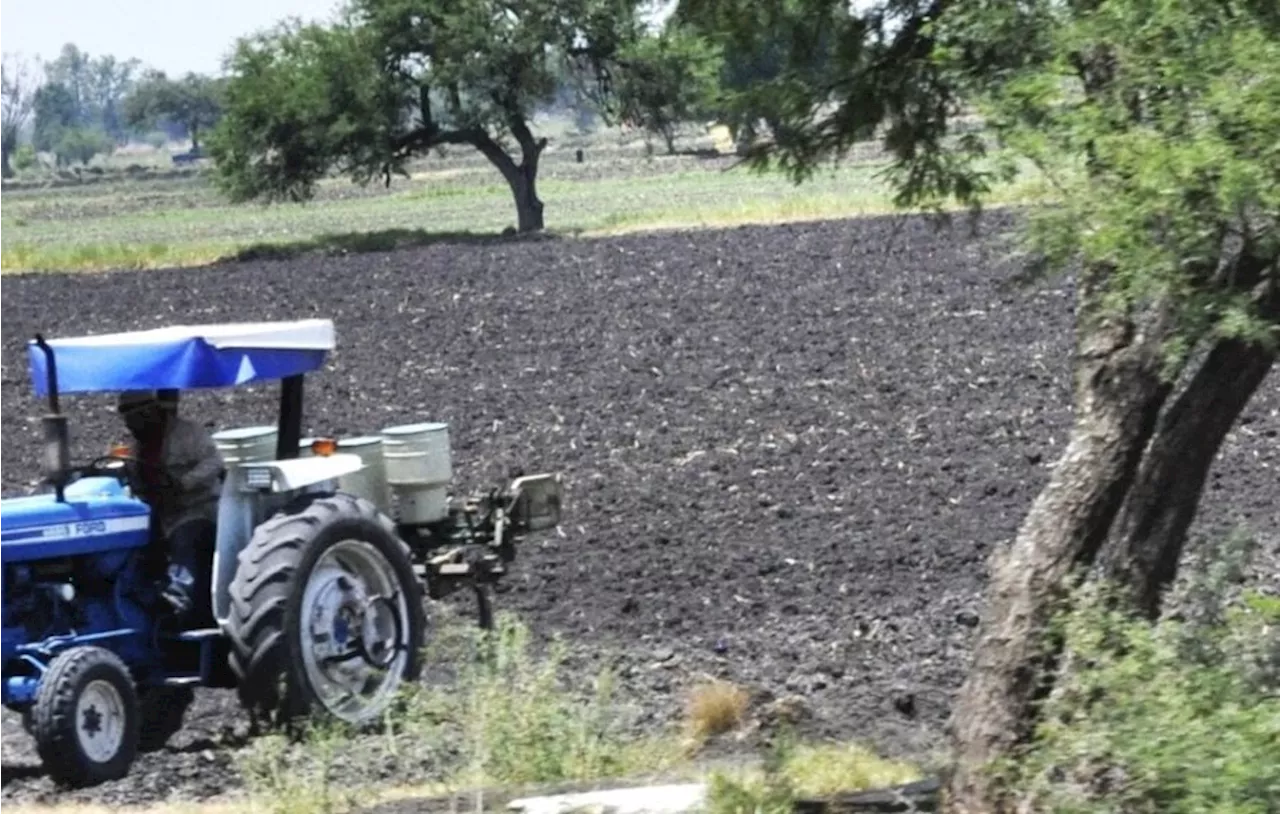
[(326, 551)]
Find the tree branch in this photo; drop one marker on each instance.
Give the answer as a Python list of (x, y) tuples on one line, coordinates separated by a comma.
[(423, 138)]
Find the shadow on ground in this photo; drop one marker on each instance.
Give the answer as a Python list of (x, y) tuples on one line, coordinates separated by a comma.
[(386, 240)]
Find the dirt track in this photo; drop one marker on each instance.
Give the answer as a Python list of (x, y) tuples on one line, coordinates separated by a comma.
[(787, 450)]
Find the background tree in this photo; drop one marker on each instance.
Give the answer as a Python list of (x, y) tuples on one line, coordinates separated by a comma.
[(194, 101), (394, 79), (96, 87), (1153, 122), (762, 49), (667, 80), (17, 100), (78, 145), (55, 113)]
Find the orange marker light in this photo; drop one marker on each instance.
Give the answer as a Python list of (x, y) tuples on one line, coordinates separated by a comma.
[(324, 447), (120, 451)]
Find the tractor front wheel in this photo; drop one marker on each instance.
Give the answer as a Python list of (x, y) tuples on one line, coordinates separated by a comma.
[(326, 614), (85, 718)]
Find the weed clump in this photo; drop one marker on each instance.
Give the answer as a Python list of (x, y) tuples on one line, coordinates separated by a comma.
[(1179, 716), (715, 707), (493, 713)]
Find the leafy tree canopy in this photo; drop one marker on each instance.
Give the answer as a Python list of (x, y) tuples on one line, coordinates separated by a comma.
[(670, 78), (194, 101), (97, 87), (394, 79), (1152, 124), (55, 112), (770, 52)]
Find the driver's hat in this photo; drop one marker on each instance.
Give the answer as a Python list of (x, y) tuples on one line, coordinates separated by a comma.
[(132, 400)]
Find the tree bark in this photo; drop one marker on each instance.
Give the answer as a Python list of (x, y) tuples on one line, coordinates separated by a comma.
[(1152, 529), (1119, 391), (528, 206), (522, 177)]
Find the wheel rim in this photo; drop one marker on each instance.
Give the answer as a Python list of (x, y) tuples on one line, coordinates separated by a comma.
[(100, 721), (354, 630)]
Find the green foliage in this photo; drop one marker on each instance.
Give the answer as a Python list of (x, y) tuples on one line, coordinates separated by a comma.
[(281, 781), (193, 101), (395, 79), (771, 790), (519, 723), (822, 78), (1176, 718), (78, 145), (768, 50), (1154, 120), (793, 770), (24, 158), (55, 112), (495, 713), (668, 79), (299, 98), (96, 87)]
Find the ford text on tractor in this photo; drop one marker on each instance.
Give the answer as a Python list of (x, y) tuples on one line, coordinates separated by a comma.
[(322, 554)]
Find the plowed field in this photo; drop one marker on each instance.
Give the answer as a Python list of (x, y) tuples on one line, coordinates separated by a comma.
[(787, 450)]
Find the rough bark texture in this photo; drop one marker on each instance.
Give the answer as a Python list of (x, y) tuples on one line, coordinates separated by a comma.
[(1152, 529), (522, 177), (1119, 392), (528, 206)]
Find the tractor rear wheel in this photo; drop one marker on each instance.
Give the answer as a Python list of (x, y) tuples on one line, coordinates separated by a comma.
[(327, 614)]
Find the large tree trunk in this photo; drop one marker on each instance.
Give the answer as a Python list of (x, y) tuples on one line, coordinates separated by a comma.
[(528, 206), (1150, 534), (1119, 391), (522, 177)]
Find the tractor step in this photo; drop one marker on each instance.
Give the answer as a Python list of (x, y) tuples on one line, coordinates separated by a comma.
[(198, 635)]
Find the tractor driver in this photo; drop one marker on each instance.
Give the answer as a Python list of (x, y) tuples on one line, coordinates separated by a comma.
[(181, 473)]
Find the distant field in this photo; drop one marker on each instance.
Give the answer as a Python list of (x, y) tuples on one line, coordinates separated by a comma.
[(123, 222)]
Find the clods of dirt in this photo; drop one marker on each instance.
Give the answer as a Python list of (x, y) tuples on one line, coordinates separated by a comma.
[(788, 451)]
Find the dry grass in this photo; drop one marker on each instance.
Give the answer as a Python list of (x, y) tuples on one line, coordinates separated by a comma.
[(715, 707)]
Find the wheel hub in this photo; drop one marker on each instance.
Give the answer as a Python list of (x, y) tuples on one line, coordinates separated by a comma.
[(100, 723), (355, 627)]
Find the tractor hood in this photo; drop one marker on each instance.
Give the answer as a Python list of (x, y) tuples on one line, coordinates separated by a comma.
[(98, 515)]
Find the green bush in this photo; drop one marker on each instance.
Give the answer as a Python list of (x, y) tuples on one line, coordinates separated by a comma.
[(493, 713), (520, 724), (24, 158), (1180, 717)]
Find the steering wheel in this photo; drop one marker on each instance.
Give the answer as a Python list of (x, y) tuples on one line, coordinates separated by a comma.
[(126, 471)]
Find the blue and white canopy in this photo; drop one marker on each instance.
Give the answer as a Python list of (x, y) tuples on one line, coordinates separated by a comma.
[(184, 356)]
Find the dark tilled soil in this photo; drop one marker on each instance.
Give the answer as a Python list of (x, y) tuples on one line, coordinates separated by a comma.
[(787, 450)]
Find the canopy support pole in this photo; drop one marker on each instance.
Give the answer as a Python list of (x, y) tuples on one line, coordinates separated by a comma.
[(289, 430)]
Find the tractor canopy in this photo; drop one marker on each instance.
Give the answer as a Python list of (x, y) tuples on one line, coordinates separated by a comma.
[(183, 356)]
